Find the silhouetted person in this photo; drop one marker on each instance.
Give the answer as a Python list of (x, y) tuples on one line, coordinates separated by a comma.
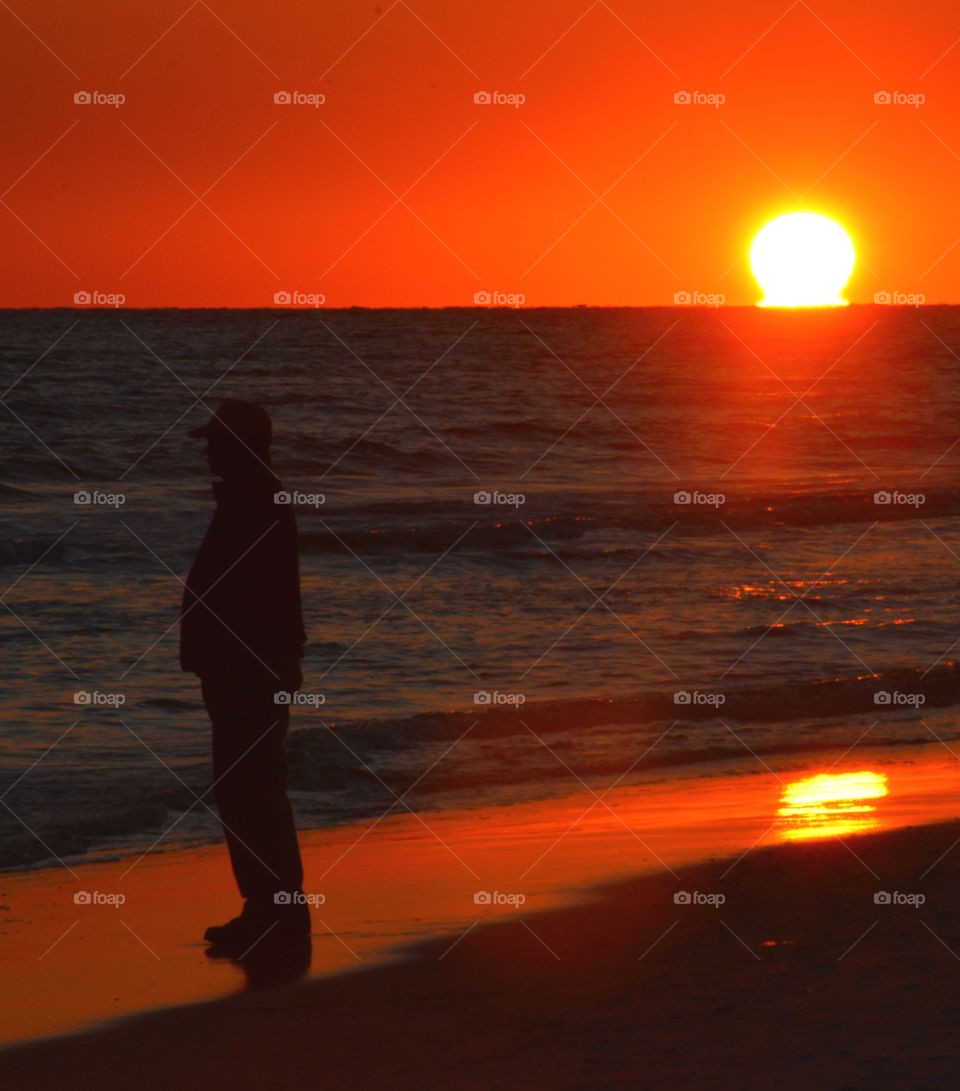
[(241, 631)]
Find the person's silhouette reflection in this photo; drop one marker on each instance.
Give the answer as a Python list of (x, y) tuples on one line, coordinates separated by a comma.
[(269, 964), (242, 633)]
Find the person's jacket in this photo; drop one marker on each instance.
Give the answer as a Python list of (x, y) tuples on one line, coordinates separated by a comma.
[(241, 606)]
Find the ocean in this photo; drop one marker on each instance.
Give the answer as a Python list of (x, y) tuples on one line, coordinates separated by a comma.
[(539, 547)]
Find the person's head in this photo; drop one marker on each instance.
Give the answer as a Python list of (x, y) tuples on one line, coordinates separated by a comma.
[(238, 439)]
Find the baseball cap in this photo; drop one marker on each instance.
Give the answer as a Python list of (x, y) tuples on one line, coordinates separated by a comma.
[(246, 420)]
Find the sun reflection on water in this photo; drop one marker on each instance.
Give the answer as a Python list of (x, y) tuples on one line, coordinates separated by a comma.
[(830, 805)]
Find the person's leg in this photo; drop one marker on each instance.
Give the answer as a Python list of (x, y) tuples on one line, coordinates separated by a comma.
[(249, 765), (264, 848)]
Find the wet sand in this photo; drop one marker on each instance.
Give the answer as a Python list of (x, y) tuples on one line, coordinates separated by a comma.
[(797, 976)]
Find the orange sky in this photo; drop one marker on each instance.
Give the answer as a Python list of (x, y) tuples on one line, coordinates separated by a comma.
[(494, 197)]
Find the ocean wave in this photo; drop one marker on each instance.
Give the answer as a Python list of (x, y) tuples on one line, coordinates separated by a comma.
[(348, 770), (17, 551), (13, 490), (938, 687)]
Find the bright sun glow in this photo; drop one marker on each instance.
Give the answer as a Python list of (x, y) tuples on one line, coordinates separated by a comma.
[(831, 805), (802, 260)]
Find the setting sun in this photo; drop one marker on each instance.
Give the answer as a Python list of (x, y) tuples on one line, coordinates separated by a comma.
[(802, 260)]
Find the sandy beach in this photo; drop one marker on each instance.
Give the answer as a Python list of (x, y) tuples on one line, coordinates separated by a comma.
[(780, 966)]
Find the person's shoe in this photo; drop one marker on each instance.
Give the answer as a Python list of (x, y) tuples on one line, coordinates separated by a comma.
[(278, 923), (239, 936), (293, 920), (224, 934)]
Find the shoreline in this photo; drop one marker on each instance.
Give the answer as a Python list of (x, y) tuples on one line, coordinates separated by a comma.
[(798, 979), (706, 770), (403, 879)]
